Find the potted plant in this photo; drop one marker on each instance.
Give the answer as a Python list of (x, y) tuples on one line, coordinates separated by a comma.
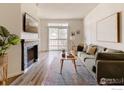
[(6, 41)]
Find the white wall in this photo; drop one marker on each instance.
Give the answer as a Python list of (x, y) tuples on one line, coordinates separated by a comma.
[(10, 17), (74, 25), (31, 9), (100, 12)]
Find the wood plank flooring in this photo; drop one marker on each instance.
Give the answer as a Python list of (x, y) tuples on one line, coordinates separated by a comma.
[(47, 72)]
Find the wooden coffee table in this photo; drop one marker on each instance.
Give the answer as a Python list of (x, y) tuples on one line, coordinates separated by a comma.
[(73, 59)]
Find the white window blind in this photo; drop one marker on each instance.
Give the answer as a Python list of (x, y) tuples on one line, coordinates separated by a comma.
[(58, 33)]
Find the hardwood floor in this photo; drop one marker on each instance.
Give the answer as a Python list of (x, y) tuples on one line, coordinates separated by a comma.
[(35, 74), (47, 72), (10, 80)]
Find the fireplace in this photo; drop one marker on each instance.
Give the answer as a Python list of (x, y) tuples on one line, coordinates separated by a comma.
[(29, 53)]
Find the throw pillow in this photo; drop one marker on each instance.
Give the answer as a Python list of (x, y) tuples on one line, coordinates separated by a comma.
[(85, 48), (100, 49), (91, 50)]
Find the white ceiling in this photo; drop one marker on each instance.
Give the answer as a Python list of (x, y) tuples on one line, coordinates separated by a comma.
[(65, 10)]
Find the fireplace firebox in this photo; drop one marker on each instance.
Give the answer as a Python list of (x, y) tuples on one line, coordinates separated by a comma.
[(29, 53)]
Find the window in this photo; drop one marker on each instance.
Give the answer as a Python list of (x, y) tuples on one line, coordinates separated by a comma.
[(58, 24), (58, 34)]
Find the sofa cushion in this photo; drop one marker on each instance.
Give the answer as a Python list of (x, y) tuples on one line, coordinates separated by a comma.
[(100, 49), (91, 50), (112, 51), (83, 55)]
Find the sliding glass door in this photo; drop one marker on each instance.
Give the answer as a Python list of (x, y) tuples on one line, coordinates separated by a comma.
[(58, 37)]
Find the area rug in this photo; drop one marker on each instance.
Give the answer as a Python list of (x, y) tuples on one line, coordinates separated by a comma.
[(69, 76)]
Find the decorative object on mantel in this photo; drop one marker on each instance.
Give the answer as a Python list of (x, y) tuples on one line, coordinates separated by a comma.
[(6, 41)]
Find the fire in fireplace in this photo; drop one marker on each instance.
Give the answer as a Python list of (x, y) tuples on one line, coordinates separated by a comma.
[(29, 53)]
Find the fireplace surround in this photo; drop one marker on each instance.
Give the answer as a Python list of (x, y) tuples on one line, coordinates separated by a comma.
[(29, 53)]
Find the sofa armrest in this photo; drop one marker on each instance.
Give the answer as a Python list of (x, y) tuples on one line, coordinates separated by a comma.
[(112, 71), (110, 56), (88, 58)]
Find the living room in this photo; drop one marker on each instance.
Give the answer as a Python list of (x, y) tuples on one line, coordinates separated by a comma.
[(75, 26)]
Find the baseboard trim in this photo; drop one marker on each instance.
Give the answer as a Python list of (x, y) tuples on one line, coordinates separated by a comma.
[(14, 74)]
